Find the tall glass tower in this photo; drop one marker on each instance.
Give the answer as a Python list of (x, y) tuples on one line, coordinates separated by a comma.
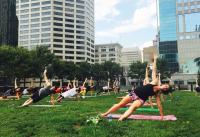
[(168, 39)]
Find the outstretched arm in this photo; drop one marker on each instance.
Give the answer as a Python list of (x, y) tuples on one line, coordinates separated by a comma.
[(47, 82), (84, 82), (159, 105), (154, 71), (16, 83), (146, 80)]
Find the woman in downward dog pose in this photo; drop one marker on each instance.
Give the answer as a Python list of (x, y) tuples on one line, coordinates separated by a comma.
[(139, 95)]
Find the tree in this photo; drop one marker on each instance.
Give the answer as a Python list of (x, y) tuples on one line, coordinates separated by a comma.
[(41, 57), (137, 70), (162, 68)]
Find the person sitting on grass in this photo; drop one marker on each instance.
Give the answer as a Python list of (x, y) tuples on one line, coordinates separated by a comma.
[(139, 95), (69, 93), (42, 93)]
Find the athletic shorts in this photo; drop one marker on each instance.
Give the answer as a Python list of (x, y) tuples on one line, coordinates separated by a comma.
[(135, 97), (36, 97)]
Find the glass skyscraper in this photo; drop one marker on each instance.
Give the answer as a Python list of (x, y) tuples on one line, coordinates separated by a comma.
[(168, 39)]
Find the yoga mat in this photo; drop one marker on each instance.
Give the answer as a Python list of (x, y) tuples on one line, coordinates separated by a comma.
[(144, 117), (143, 109), (44, 105)]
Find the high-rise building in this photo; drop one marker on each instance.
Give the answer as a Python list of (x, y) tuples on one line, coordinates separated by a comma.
[(188, 34), (108, 52), (8, 23), (168, 38), (180, 33), (65, 26)]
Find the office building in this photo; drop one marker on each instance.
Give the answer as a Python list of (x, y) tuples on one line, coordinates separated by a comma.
[(65, 26), (148, 54), (8, 23), (108, 52), (168, 39), (130, 55), (188, 34), (180, 34)]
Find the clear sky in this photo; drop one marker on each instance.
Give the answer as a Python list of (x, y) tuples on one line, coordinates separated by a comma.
[(128, 22)]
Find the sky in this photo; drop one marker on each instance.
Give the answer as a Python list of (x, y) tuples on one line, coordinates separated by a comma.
[(132, 23)]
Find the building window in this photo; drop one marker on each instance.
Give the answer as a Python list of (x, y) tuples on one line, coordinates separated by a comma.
[(35, 9), (57, 46), (58, 8), (46, 2), (58, 24), (103, 55), (46, 8), (57, 29), (46, 18), (57, 40), (112, 49), (69, 41), (35, 4), (57, 3), (58, 19), (103, 50), (57, 51), (57, 35)]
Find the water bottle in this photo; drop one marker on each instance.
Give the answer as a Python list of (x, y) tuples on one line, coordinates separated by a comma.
[(109, 117)]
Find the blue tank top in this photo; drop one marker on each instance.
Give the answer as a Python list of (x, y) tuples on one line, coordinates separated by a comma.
[(145, 91)]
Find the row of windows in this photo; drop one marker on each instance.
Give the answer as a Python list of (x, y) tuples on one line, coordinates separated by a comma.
[(35, 25), (185, 1), (68, 30), (69, 41), (103, 50), (35, 30), (72, 47), (103, 60)]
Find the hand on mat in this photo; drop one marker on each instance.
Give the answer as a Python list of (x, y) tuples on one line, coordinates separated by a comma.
[(161, 117)]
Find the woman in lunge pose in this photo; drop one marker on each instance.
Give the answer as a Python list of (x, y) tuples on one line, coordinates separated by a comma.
[(139, 95)]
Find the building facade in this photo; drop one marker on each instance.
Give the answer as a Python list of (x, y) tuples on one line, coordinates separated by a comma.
[(180, 34), (168, 49), (130, 55), (188, 34), (108, 52), (148, 54), (8, 23), (65, 26)]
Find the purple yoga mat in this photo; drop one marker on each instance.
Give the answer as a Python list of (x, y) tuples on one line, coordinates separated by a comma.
[(145, 117)]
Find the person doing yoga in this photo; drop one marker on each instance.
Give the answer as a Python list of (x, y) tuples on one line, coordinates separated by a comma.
[(139, 95)]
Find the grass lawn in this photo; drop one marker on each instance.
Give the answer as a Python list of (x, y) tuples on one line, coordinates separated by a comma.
[(69, 120)]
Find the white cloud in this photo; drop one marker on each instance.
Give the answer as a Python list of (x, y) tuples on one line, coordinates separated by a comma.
[(143, 17), (106, 9)]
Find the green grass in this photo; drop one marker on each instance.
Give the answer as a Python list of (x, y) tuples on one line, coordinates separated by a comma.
[(69, 120)]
